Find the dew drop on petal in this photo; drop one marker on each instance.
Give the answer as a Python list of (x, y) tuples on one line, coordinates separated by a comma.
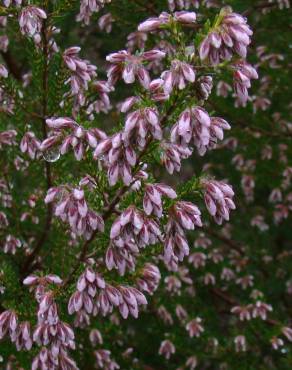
[(51, 155)]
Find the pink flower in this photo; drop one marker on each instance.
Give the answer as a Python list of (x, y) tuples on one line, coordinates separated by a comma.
[(72, 208), (276, 342), (192, 362), (173, 284), (136, 40), (82, 300), (88, 7), (183, 215), (205, 85), (7, 138), (53, 333), (122, 258), (3, 220), (131, 299), (95, 337), (195, 327), (103, 103), (185, 18), (240, 343), (104, 361), (128, 103), (79, 139), (155, 23), (157, 91), (129, 67), (34, 281), (4, 42), (227, 274), (22, 337), (30, 144), (259, 222), (231, 35), (195, 124), (30, 20), (179, 74), (149, 278), (197, 259), (261, 309), (105, 22), (82, 72), (218, 199), (183, 4), (243, 74), (8, 323), (287, 332), (172, 154), (166, 349), (164, 315), (248, 185), (223, 89), (139, 124), (152, 202), (244, 312), (8, 3), (181, 313), (117, 157), (245, 281), (3, 71), (11, 244), (133, 225)]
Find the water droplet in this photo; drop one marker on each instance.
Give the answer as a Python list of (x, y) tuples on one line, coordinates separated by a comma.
[(51, 155)]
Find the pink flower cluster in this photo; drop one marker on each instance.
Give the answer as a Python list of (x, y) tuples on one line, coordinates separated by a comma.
[(71, 207), (82, 72), (182, 216), (132, 225), (172, 154), (7, 138), (104, 361), (88, 7), (218, 198), (117, 157), (243, 74), (139, 124), (164, 19), (79, 138), (195, 124), (149, 278), (231, 34), (179, 74), (30, 144), (30, 20), (152, 202), (182, 4), (129, 67), (94, 295), (55, 336)]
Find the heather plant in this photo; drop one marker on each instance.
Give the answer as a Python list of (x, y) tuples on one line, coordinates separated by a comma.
[(145, 185)]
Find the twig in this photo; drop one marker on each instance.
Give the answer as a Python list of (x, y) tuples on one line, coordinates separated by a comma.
[(48, 221), (231, 243), (258, 7)]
